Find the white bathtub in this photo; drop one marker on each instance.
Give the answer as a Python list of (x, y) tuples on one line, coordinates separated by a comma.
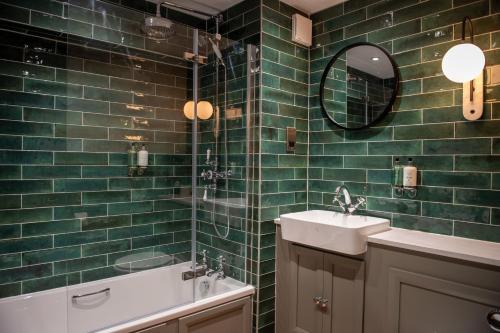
[(133, 302)]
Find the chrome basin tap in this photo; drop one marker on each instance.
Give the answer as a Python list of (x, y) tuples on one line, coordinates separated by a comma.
[(347, 205)]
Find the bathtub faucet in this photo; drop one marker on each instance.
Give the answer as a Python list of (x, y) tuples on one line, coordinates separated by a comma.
[(219, 270), (199, 271)]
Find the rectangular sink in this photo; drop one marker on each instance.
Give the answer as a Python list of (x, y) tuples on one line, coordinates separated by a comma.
[(331, 230)]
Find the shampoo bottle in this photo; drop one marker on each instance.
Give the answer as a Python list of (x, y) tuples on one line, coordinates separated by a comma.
[(397, 174), (410, 175), (142, 157)]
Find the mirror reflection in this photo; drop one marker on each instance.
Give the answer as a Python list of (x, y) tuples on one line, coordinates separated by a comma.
[(359, 86)]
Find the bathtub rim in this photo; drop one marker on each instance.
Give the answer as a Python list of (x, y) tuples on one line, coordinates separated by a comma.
[(180, 311)]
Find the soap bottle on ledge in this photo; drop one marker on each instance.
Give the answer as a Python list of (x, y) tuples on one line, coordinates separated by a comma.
[(410, 178), (132, 160), (142, 160)]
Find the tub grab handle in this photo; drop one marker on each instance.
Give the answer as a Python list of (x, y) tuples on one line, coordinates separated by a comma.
[(106, 291)]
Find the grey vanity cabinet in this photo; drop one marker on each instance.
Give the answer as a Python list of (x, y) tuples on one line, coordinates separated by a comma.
[(410, 292), (317, 292)]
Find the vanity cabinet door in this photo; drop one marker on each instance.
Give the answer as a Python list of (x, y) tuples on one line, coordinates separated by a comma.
[(170, 327), (227, 318), (306, 288), (344, 290)]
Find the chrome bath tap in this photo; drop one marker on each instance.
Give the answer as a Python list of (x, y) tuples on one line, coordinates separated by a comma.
[(219, 270), (347, 205)]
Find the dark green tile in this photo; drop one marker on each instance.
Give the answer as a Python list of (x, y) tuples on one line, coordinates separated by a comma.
[(70, 185), (51, 144), (489, 163), (60, 24), (106, 222), (477, 197), (49, 228), (25, 273), (424, 132), (457, 146), (106, 197), (394, 205), (25, 186), (421, 223), (456, 212), (477, 231), (74, 158), (52, 116), (478, 129), (106, 247), (77, 238), (45, 256), (53, 88), (25, 128), (80, 264), (421, 9), (41, 172), (69, 212), (25, 244), (456, 179), (53, 199), (395, 148)]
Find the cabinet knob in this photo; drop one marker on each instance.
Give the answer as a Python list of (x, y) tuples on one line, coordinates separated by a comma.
[(493, 318), (317, 300), (324, 303)]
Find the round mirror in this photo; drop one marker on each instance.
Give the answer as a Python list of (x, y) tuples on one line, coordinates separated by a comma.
[(359, 86)]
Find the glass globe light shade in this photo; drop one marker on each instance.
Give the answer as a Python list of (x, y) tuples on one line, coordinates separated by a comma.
[(463, 62), (189, 110), (205, 110)]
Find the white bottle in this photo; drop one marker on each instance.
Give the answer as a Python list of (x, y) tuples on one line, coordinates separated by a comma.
[(142, 157), (410, 175)]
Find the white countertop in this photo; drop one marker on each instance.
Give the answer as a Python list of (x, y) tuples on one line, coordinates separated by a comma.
[(448, 246)]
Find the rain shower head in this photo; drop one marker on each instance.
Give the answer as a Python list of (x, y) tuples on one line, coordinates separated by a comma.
[(157, 27)]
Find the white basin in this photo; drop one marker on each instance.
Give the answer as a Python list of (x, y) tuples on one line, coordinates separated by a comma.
[(330, 230)]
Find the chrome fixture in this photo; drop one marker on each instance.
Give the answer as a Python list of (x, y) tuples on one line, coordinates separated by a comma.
[(493, 318), (158, 27), (320, 301), (219, 270), (347, 205), (106, 291), (199, 271)]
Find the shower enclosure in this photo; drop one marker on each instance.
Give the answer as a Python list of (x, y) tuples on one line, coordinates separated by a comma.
[(83, 86)]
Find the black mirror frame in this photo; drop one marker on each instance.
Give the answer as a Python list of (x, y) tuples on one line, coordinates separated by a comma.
[(329, 66)]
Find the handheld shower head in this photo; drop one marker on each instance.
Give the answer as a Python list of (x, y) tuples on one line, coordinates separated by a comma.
[(217, 51)]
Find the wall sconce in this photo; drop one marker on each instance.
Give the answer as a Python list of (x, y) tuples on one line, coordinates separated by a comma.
[(204, 110), (464, 63)]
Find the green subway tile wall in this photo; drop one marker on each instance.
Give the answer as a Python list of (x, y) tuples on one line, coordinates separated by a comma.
[(76, 86), (457, 193)]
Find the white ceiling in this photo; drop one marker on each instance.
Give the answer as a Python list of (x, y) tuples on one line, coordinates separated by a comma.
[(360, 57), (312, 6), (216, 6)]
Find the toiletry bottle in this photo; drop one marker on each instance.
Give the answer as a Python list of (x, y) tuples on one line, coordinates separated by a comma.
[(397, 174), (410, 175), (142, 157), (132, 160)]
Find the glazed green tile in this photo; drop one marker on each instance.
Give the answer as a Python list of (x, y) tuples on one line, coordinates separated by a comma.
[(77, 238), (25, 215), (455, 15), (352, 175), (477, 197), (424, 132), (478, 129), (421, 9), (10, 112), (411, 117), (51, 144), (25, 186), (102, 273), (423, 39), (76, 104), (92, 17), (46, 6), (457, 179), (51, 255), (108, 95), (10, 289), (456, 212), (41, 172), (489, 163), (375, 23), (80, 264), (417, 71), (477, 231), (457, 146), (427, 162), (53, 88), (115, 36), (437, 51), (52, 116), (69, 212), (387, 6), (346, 148), (482, 25), (10, 142), (395, 148), (496, 181), (60, 24), (327, 13), (438, 83), (11, 83), (49, 228), (25, 128), (130, 232), (74, 158), (105, 171), (10, 231), (10, 260), (73, 131), (25, 244), (370, 134), (147, 241), (368, 162), (343, 20), (106, 222), (442, 114), (24, 273), (53, 199), (71, 185), (421, 223), (106, 197), (14, 13), (87, 79), (394, 205), (45, 283)]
